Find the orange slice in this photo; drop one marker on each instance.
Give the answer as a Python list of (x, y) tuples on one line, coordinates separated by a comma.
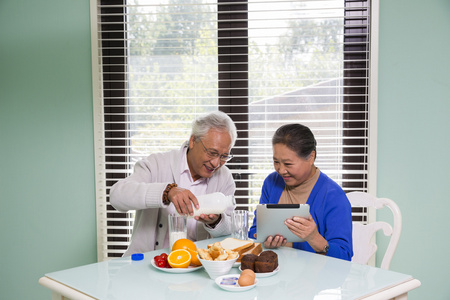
[(180, 258), (188, 245)]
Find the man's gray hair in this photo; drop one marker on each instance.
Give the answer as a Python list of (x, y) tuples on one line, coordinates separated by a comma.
[(214, 120)]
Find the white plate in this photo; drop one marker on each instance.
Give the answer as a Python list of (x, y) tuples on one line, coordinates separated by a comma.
[(177, 270), (233, 287), (261, 275), (237, 264)]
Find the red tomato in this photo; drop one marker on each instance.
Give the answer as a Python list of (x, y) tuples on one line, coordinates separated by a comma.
[(161, 263), (161, 260)]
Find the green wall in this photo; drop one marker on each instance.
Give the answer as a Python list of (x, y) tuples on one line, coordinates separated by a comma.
[(47, 192), (414, 136)]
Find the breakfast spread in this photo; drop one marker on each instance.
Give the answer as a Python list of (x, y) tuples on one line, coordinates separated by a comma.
[(254, 261)]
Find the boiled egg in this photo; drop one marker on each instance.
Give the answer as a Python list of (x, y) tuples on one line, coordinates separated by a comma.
[(247, 278)]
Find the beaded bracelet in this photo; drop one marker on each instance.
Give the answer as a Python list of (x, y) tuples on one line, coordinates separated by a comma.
[(166, 193)]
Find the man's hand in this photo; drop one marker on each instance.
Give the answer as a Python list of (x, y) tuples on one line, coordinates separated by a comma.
[(211, 220), (183, 200)]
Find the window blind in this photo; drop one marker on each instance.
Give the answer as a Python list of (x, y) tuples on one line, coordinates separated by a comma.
[(160, 64)]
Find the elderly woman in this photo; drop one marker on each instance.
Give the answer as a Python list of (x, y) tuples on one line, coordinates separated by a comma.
[(296, 180)]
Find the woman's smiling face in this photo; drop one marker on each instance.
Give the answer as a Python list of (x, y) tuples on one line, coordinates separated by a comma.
[(294, 169)]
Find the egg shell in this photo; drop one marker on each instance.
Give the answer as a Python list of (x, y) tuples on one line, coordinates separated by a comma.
[(246, 280), (248, 272)]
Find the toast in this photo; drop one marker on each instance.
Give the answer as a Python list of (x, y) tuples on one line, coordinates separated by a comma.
[(256, 249), (236, 244)]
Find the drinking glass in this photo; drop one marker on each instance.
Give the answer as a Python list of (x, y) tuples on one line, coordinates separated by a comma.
[(239, 224), (177, 228)]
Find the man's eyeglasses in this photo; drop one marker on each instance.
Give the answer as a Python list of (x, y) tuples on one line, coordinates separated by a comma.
[(213, 154)]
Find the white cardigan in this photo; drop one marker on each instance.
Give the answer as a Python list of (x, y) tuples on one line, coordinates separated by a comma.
[(142, 191)]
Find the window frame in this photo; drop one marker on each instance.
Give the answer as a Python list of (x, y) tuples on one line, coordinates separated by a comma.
[(225, 96)]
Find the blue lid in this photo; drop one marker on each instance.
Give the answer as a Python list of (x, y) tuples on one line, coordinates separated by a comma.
[(137, 256)]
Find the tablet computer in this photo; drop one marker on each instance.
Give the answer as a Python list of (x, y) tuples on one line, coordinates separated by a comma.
[(270, 220)]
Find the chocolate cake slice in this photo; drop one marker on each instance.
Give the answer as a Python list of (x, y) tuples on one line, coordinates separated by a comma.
[(248, 262)]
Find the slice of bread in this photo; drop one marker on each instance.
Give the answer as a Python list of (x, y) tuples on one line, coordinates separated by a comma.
[(255, 249), (236, 245)]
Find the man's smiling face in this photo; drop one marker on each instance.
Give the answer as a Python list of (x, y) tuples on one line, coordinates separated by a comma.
[(200, 163)]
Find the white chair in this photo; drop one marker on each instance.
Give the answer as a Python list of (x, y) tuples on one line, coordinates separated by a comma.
[(364, 246)]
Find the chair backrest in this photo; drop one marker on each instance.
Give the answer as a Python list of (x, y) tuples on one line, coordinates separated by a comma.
[(364, 246)]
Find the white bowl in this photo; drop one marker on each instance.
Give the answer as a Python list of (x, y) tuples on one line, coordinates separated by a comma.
[(217, 268)]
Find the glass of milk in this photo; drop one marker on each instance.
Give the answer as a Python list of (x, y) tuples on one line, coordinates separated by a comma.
[(177, 228)]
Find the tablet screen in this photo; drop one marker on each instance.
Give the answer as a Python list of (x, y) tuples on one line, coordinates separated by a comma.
[(270, 220)]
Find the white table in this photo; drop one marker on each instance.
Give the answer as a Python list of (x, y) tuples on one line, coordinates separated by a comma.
[(302, 275)]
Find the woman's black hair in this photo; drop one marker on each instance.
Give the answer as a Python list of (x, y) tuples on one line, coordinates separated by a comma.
[(296, 137)]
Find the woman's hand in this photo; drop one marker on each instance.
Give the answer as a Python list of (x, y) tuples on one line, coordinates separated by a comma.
[(307, 230), (274, 242), (303, 228)]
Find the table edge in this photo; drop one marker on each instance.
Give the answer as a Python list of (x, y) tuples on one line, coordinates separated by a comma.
[(395, 291), (62, 289)]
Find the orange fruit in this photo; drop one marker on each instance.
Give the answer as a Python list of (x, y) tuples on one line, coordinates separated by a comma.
[(194, 258), (179, 258), (188, 245)]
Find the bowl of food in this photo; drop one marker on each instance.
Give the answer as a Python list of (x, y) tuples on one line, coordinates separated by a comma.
[(216, 260)]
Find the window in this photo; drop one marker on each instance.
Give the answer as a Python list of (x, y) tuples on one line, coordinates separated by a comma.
[(159, 64)]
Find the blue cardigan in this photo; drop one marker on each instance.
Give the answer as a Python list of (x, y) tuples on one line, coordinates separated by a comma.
[(329, 208)]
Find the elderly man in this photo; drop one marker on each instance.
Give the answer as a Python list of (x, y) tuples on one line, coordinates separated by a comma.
[(163, 183)]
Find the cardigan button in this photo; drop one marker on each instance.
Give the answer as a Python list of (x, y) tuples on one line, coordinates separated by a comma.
[(157, 243), (160, 225)]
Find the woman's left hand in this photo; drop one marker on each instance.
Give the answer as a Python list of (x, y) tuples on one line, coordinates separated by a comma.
[(302, 227), (276, 241)]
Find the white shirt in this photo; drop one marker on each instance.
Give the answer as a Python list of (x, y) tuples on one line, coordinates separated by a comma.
[(197, 188)]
